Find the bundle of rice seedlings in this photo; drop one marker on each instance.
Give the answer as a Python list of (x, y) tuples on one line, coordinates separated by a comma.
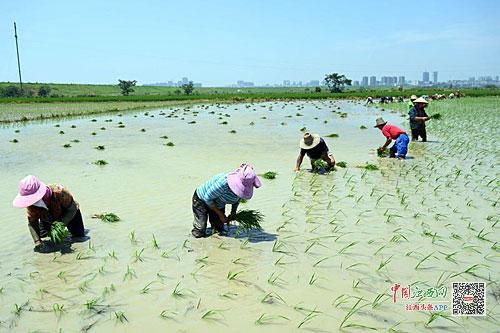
[(249, 219), (58, 232), (100, 162), (363, 127), (107, 217), (383, 153), (436, 116), (269, 175), (341, 164), (320, 164), (368, 166), (333, 135)]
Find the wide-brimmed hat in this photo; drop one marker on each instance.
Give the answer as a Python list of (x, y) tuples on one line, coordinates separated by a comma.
[(31, 189), (309, 141), (421, 100), (242, 181), (380, 121), (413, 97)]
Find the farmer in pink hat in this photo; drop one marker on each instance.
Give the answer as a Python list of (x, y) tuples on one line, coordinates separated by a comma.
[(210, 198), (46, 205)]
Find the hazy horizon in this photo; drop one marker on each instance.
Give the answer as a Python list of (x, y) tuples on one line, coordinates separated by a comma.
[(219, 42)]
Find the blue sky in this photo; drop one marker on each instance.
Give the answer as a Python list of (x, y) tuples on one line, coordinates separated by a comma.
[(219, 42)]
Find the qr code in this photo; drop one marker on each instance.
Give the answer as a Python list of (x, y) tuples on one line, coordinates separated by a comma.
[(468, 299)]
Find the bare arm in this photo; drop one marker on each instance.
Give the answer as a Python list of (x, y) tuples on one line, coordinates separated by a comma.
[(299, 162), (386, 144), (219, 212)]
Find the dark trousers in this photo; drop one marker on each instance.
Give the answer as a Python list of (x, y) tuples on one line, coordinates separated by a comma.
[(75, 227), (419, 132), (202, 213)]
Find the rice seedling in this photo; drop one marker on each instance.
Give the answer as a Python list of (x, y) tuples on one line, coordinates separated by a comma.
[(169, 144), (265, 319), (213, 315), (384, 263), (67, 145), (368, 166), (232, 131), (132, 237), (178, 292), (120, 317), (313, 314), (303, 129), (436, 116), (107, 217), (275, 279), (270, 298), (61, 132), (75, 141), (168, 314), (341, 164), (58, 309), (100, 162), (138, 255), (351, 312), (363, 127), (269, 175), (423, 260), (435, 315), (313, 279), (93, 133), (129, 274), (14, 141), (320, 165), (99, 147), (58, 232), (233, 275)]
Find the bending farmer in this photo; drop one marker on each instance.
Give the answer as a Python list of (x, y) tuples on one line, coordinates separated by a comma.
[(315, 147), (418, 117), (211, 198), (391, 132), (46, 205)]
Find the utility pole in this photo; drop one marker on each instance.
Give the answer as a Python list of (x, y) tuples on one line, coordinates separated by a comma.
[(18, 62)]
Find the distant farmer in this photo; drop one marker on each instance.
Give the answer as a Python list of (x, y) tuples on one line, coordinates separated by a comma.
[(369, 100), (211, 198), (315, 148), (418, 117), (411, 101), (46, 205), (391, 132)]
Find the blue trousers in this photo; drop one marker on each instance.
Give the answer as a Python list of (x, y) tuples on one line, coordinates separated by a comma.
[(400, 147)]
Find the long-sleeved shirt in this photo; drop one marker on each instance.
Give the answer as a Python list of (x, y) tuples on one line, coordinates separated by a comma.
[(217, 190), (413, 113)]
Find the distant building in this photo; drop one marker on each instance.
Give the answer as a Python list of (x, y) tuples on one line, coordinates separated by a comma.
[(313, 83), (244, 84), (286, 83), (373, 80), (401, 81), (434, 77), (364, 81), (355, 83), (425, 77)]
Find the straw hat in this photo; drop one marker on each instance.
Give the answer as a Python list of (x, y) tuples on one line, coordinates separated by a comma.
[(309, 141), (421, 100), (31, 189), (242, 181), (413, 97), (379, 122)]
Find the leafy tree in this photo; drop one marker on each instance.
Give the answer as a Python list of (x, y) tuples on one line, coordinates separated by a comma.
[(44, 91), (317, 89), (11, 91), (188, 88), (126, 86), (336, 82)]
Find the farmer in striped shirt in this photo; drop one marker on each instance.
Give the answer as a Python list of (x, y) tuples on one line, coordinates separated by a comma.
[(210, 198)]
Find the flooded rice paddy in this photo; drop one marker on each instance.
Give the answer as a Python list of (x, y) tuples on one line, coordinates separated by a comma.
[(333, 245)]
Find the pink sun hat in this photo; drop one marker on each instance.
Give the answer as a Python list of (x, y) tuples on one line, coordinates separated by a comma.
[(242, 181), (31, 189)]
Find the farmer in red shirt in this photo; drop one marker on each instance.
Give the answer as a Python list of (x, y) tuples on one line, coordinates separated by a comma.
[(391, 132)]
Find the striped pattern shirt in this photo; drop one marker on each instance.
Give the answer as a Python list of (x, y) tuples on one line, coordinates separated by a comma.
[(217, 190)]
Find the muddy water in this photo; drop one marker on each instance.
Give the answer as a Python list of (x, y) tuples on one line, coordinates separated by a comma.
[(325, 242)]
